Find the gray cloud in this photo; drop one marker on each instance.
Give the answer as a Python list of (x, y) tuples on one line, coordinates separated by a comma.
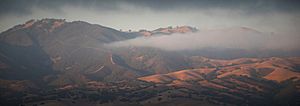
[(269, 15), (24, 6)]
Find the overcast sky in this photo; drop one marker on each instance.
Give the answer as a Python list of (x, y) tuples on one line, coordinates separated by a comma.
[(278, 16)]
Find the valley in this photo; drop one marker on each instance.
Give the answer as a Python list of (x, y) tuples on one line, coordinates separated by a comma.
[(54, 62)]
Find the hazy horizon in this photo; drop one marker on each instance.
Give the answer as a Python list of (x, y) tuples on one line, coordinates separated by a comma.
[(276, 16), (150, 53)]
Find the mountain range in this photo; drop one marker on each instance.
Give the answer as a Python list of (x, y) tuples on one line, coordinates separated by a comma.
[(55, 62)]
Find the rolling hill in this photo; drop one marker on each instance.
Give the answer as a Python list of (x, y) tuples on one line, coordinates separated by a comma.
[(55, 62)]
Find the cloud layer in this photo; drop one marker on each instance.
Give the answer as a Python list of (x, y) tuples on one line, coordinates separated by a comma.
[(230, 38), (266, 15)]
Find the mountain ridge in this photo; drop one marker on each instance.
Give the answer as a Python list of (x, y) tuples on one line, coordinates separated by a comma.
[(67, 62)]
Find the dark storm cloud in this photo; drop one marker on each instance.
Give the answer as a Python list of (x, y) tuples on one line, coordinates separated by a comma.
[(266, 15), (23, 7)]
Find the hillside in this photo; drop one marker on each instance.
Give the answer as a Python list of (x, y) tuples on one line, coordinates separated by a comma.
[(275, 69), (55, 62), (245, 80)]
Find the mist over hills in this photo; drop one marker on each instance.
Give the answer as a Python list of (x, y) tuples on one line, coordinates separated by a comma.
[(60, 58)]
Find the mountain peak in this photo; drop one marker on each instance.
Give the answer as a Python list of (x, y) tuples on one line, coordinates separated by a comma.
[(48, 24), (169, 30), (43, 21), (177, 29)]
